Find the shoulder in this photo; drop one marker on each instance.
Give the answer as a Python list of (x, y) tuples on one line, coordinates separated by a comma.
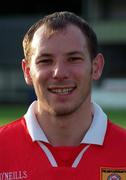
[(116, 128), (116, 133), (9, 130)]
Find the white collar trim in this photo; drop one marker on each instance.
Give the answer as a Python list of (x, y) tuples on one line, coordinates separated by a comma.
[(94, 135), (97, 130), (33, 126)]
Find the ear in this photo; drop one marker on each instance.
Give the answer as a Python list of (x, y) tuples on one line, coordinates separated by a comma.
[(26, 71), (98, 64)]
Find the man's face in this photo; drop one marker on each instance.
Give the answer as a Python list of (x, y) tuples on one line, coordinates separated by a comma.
[(61, 70)]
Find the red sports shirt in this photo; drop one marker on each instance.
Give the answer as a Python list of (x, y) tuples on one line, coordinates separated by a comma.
[(23, 158), (25, 152)]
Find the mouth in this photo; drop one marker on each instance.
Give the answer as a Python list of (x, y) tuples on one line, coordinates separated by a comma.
[(62, 91)]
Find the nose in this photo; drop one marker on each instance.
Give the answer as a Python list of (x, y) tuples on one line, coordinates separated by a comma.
[(60, 71)]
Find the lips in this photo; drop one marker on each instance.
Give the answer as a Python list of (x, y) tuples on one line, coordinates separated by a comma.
[(61, 91), (62, 88)]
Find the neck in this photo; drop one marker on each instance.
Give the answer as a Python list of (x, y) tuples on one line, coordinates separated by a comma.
[(66, 130)]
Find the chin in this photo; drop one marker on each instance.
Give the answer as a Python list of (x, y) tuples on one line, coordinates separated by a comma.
[(63, 112)]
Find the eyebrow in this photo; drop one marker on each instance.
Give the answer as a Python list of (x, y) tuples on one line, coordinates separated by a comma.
[(44, 55), (67, 53), (75, 53)]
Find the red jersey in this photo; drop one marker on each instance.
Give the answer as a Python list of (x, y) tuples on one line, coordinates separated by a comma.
[(22, 158)]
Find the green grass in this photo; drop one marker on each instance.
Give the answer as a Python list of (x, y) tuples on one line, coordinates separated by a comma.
[(118, 116), (11, 112)]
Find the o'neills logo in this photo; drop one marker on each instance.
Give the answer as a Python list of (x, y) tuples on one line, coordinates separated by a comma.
[(13, 175)]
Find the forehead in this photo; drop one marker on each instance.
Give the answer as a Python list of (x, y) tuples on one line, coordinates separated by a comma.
[(71, 31)]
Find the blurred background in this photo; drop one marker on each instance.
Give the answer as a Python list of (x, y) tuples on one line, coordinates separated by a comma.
[(108, 19)]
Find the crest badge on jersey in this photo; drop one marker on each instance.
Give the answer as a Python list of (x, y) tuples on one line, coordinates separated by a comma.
[(113, 173)]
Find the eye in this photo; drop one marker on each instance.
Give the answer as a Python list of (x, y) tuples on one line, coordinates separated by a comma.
[(45, 61), (75, 59)]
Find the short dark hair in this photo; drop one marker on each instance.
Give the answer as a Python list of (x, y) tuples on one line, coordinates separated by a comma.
[(58, 21)]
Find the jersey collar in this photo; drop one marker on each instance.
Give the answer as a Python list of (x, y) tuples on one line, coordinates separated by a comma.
[(94, 135)]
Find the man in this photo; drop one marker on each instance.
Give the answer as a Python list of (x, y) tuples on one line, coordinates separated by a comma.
[(63, 135)]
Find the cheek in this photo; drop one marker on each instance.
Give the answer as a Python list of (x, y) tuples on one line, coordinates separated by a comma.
[(41, 81), (83, 72), (37, 73)]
